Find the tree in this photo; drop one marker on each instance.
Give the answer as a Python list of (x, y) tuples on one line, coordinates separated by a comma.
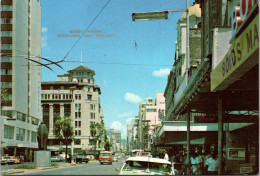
[(4, 95), (64, 131), (96, 131)]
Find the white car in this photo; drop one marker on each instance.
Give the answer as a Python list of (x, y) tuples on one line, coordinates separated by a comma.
[(147, 166)]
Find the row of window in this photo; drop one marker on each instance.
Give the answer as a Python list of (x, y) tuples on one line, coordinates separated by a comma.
[(6, 71), (77, 132), (56, 96), (24, 118), (77, 124), (62, 96), (150, 110), (20, 134), (6, 58)]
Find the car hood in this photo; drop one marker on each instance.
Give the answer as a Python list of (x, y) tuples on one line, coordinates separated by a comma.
[(139, 172)]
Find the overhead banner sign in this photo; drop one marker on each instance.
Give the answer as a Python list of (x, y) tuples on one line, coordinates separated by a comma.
[(241, 57), (230, 118)]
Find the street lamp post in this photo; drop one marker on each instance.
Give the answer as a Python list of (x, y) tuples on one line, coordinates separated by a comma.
[(72, 89), (164, 15)]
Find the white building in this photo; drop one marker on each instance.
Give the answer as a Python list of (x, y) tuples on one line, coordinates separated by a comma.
[(20, 76), (74, 95)]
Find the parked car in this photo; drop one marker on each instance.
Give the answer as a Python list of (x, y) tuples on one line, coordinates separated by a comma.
[(3, 161), (16, 159), (144, 153), (146, 166), (105, 157), (115, 159), (55, 158), (9, 159), (82, 159)]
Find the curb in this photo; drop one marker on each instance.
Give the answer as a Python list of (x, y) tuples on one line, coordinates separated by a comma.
[(18, 171)]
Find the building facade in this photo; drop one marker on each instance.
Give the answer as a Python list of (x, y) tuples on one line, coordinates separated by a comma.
[(218, 104), (114, 137), (20, 76), (74, 95)]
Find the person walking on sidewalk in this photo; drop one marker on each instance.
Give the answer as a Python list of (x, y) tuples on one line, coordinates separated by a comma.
[(166, 157), (212, 164)]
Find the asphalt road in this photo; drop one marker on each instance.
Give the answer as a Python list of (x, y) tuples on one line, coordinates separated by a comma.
[(92, 168)]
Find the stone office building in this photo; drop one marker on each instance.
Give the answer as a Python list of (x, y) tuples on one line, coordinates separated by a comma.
[(74, 95)]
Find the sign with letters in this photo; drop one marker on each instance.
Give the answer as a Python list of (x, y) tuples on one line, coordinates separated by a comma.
[(238, 59)]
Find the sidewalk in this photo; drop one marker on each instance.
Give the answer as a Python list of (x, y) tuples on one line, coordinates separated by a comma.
[(25, 171)]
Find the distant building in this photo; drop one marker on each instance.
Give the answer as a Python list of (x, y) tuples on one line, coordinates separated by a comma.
[(114, 137), (151, 113), (20, 76), (75, 95)]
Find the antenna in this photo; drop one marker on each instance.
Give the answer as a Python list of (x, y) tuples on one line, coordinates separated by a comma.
[(81, 58)]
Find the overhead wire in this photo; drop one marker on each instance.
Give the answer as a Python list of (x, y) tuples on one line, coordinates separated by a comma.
[(86, 29)]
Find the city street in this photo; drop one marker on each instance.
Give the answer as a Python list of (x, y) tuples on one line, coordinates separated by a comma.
[(92, 168)]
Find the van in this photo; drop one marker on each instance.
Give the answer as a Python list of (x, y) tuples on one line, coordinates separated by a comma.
[(105, 157)]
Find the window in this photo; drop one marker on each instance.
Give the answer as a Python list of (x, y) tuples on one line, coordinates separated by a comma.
[(6, 7), (89, 97), (28, 136), (34, 137), (92, 115), (21, 117), (76, 124), (79, 122), (6, 59), (76, 115), (77, 141), (6, 84), (8, 132), (35, 121), (76, 96), (79, 96), (20, 134), (6, 20), (79, 132), (76, 132), (6, 46), (6, 71)]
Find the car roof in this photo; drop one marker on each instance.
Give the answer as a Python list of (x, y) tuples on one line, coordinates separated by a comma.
[(105, 152), (148, 159)]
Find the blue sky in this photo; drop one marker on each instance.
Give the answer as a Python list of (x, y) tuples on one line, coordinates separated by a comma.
[(131, 59)]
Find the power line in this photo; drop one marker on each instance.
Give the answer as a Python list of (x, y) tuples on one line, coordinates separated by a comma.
[(116, 63), (86, 29)]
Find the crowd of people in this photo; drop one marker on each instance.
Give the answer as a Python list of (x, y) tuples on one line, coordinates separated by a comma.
[(201, 162)]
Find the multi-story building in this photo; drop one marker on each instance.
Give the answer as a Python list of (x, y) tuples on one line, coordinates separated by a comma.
[(218, 103), (20, 76), (114, 137), (74, 95), (151, 113)]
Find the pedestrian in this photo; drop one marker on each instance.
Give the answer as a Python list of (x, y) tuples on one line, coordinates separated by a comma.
[(195, 162), (212, 164), (166, 157)]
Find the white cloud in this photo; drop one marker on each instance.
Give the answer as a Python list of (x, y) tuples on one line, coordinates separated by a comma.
[(125, 114), (116, 125), (162, 72), (44, 29), (129, 120), (44, 36), (132, 98)]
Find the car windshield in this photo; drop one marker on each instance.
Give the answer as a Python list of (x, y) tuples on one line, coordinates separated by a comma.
[(147, 166), (104, 154)]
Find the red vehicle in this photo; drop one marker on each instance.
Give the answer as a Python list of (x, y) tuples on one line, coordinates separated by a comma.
[(105, 157)]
